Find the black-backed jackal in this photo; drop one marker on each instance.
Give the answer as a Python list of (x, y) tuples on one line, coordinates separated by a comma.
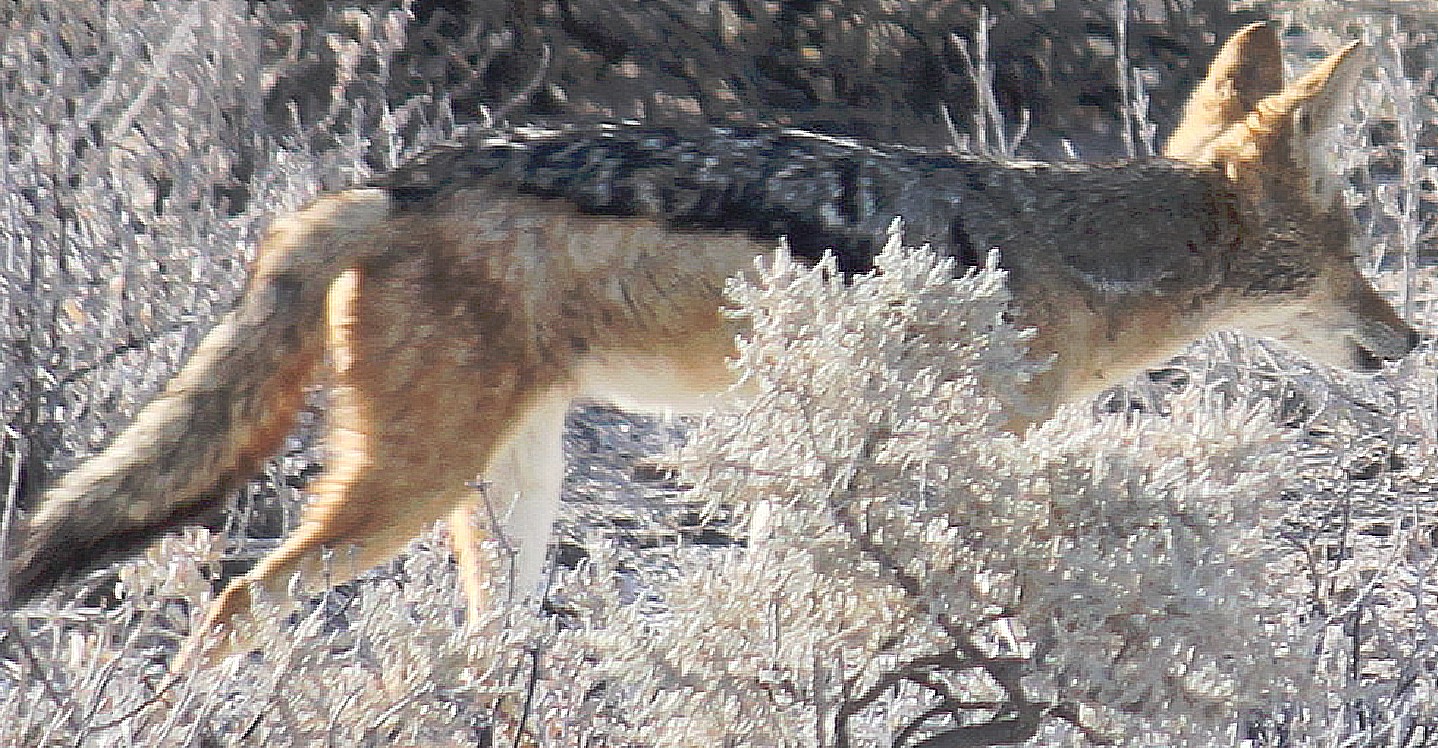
[(465, 300)]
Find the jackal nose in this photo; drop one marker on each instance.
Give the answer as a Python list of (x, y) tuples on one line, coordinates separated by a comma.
[(1371, 352)]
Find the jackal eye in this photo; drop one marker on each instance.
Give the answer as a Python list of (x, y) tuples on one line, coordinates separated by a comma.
[(1304, 123)]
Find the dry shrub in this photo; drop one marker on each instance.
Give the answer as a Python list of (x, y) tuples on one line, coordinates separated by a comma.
[(914, 572)]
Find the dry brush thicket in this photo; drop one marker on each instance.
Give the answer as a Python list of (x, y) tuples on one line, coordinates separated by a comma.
[(1239, 549)]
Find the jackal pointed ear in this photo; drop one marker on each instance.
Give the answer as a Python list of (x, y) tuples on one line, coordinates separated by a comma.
[(1320, 96), (1270, 150), (1247, 69), (1275, 134)]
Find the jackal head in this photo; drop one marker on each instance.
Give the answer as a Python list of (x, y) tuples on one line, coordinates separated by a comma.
[(1294, 266)]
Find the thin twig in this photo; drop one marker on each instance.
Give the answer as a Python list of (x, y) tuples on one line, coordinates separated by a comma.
[(529, 689)]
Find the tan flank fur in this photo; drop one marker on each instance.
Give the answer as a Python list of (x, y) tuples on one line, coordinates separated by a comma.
[(461, 314)]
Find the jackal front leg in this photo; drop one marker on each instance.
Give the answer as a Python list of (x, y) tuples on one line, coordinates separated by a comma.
[(521, 495)]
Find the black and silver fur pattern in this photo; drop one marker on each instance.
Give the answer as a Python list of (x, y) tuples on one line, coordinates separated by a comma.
[(832, 194)]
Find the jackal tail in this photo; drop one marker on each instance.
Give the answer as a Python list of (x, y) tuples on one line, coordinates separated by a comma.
[(225, 412)]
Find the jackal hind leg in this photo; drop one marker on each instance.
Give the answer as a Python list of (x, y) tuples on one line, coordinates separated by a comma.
[(417, 410)]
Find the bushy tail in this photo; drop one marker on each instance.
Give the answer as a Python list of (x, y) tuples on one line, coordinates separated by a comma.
[(227, 410)]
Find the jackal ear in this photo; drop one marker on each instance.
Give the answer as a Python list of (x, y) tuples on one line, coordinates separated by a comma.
[(1247, 69), (1275, 134), (1326, 92)]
